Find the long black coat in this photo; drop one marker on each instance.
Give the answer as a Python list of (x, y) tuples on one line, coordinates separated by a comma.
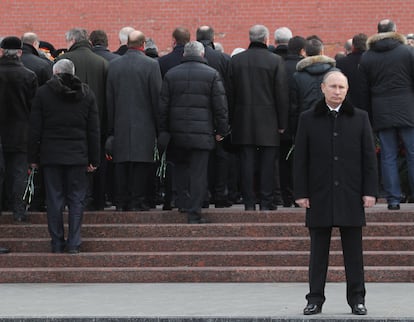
[(18, 86), (259, 96), (133, 88), (64, 124), (335, 165), (42, 67), (193, 105), (171, 60), (388, 81)]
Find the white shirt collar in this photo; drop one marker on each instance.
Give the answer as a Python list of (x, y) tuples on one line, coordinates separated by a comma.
[(334, 109)]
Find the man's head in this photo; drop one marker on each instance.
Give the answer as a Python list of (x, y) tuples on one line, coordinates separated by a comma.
[(98, 38), (282, 35), (313, 47), (180, 36), (193, 48), (205, 33), (386, 25), (64, 66), (259, 33), (359, 42), (11, 47), (296, 46), (136, 39), (410, 39), (123, 35), (348, 46), (75, 35), (31, 38), (334, 87)]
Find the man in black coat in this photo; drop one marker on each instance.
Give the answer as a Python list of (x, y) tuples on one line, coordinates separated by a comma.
[(387, 88), (349, 66), (258, 113), (64, 141), (335, 177), (18, 86), (99, 42), (193, 111)]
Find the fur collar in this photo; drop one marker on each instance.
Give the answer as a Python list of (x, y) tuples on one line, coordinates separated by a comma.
[(311, 60), (322, 109), (373, 40)]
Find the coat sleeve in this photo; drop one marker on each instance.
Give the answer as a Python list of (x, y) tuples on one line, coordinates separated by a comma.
[(94, 136), (35, 131), (301, 161), (220, 108), (155, 84), (369, 159), (282, 96), (163, 106)]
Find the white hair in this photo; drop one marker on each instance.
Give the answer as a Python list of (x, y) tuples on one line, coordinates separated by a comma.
[(283, 35), (193, 48), (64, 66)]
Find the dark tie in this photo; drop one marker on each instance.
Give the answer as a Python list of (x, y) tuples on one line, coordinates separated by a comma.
[(333, 113)]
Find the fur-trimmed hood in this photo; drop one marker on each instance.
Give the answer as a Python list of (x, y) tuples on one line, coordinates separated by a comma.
[(385, 41), (316, 64)]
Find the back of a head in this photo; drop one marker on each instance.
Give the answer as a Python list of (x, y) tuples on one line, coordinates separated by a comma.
[(123, 34), (386, 25), (283, 35), (359, 42), (348, 46), (77, 34), (193, 48), (258, 33), (181, 35), (29, 38), (296, 44), (64, 66), (136, 39), (205, 33), (313, 47), (98, 38)]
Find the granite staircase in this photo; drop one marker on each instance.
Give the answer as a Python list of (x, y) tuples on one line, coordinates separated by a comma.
[(238, 246)]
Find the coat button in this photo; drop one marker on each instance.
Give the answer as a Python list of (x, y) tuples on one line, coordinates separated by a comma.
[(336, 183), (336, 158), (335, 134)]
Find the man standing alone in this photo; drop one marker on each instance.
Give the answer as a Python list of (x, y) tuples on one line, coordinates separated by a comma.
[(335, 177)]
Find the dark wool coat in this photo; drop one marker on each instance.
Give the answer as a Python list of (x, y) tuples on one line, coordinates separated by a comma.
[(91, 69), (171, 60), (42, 67), (259, 96), (104, 52), (388, 81), (306, 87), (133, 88), (335, 165), (17, 88), (349, 65), (193, 105), (64, 124)]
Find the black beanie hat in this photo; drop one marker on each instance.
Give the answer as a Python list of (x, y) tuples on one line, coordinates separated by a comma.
[(11, 42)]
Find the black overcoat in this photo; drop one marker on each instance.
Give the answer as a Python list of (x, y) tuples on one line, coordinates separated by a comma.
[(335, 165)]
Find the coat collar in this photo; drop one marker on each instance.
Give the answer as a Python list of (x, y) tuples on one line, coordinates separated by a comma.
[(198, 59), (322, 109), (256, 44), (392, 37), (311, 60)]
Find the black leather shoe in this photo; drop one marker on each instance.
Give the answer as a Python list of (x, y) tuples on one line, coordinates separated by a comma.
[(73, 250), (394, 207), (267, 208), (225, 203), (4, 250), (359, 309), (198, 221), (249, 207), (311, 309)]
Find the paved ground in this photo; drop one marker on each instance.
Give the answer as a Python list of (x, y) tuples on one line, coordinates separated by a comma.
[(190, 302)]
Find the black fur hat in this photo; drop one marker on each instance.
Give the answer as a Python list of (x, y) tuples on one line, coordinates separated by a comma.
[(11, 42)]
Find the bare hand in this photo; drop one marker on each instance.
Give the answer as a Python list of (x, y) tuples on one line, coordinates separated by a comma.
[(34, 165), (303, 203), (369, 201), (281, 131), (91, 168), (219, 137)]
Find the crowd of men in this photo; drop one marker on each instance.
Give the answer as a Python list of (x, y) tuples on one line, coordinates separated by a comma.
[(98, 126)]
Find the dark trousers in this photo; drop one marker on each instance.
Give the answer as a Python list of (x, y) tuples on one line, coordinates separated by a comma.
[(266, 159), (15, 182), (2, 174), (191, 173), (286, 172), (131, 183), (65, 185), (351, 238)]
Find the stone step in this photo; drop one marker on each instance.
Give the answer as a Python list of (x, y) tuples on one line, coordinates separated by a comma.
[(227, 215), (195, 259), (167, 244), (192, 274), (210, 230)]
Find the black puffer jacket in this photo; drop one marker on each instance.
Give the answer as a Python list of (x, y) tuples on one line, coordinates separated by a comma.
[(64, 124), (306, 89), (193, 105), (387, 70)]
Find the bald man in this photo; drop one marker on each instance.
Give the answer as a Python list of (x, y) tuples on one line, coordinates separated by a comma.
[(335, 178)]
